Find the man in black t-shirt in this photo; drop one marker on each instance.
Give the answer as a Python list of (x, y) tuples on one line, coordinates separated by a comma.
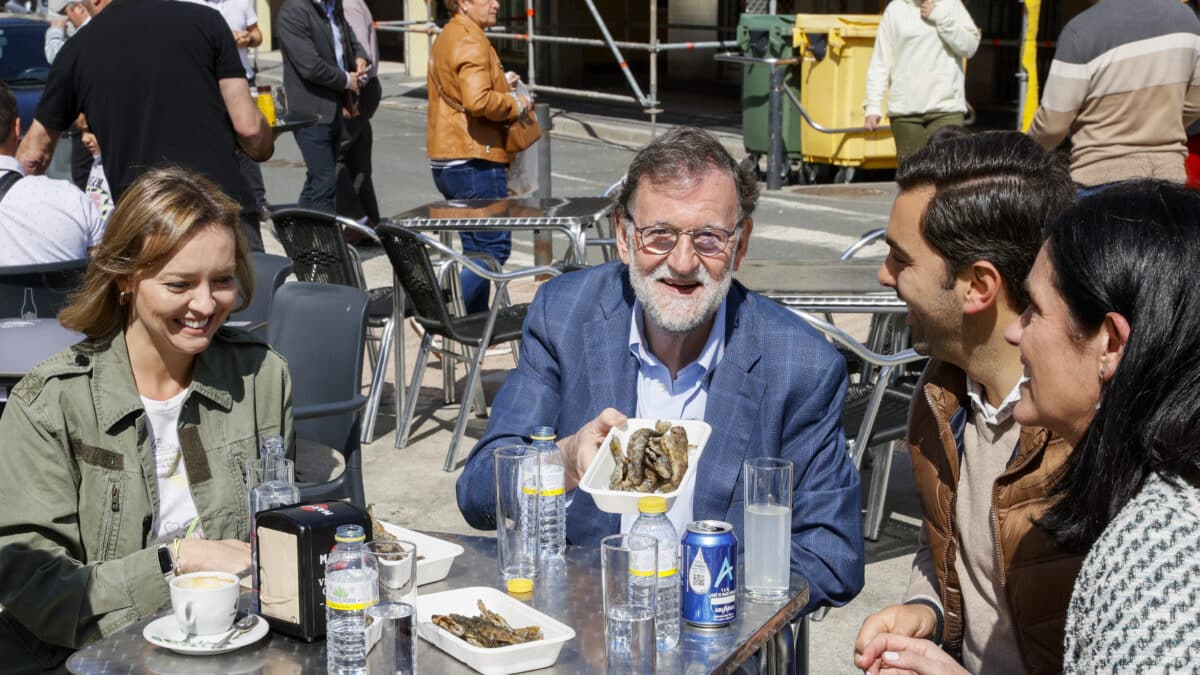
[(161, 83)]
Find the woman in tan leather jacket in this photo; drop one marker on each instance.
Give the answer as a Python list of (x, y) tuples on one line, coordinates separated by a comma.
[(123, 455), (470, 101)]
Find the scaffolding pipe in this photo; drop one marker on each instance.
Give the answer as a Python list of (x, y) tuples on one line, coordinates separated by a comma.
[(529, 60), (637, 90), (653, 68), (583, 93)]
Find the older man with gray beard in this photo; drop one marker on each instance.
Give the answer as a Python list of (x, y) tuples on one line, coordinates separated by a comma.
[(666, 333)]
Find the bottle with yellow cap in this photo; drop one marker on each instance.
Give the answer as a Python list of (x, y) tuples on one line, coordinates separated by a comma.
[(351, 586), (653, 522), (552, 508)]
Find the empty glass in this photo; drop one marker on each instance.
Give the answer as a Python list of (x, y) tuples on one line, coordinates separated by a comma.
[(396, 610), (629, 574), (517, 486), (768, 532)]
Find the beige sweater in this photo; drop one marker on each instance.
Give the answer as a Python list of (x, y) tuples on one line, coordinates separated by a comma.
[(989, 639)]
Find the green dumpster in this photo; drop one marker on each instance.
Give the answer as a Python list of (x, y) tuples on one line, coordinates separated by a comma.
[(767, 36)]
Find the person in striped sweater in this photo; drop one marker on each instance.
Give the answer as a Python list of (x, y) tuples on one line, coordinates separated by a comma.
[(1124, 85)]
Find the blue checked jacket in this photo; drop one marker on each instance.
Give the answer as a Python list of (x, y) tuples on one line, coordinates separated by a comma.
[(777, 392)]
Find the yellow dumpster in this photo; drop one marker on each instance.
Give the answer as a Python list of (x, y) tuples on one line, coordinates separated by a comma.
[(836, 50)]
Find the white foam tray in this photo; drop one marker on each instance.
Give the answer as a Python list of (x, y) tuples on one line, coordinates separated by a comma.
[(595, 479), (438, 554), (499, 660)]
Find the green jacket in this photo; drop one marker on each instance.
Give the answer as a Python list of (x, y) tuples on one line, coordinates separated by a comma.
[(78, 488)]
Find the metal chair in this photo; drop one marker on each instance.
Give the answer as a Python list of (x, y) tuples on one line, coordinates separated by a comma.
[(326, 370), (408, 251), (270, 271), (49, 284), (314, 241), (875, 415)]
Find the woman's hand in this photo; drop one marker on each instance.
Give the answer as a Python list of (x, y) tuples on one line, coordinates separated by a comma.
[(203, 555)]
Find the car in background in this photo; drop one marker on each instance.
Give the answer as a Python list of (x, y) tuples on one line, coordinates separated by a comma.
[(23, 65)]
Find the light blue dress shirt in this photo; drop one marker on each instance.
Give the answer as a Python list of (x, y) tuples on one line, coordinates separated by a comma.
[(681, 398)]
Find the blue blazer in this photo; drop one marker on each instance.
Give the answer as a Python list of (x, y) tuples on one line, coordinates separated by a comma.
[(777, 392)]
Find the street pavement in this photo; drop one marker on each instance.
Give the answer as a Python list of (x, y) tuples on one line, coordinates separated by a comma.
[(589, 153)]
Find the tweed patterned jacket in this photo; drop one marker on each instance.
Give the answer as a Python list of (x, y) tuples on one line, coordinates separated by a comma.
[(777, 392), (1136, 605)]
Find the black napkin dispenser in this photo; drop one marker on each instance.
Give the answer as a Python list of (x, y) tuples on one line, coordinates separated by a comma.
[(293, 543)]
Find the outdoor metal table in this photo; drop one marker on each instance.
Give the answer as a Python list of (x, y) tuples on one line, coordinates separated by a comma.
[(24, 343), (570, 215), (570, 593), (835, 286)]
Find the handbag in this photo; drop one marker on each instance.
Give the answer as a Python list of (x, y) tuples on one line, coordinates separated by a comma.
[(521, 133), (518, 134)]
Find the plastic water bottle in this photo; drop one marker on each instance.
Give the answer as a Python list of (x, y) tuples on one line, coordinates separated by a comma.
[(552, 517), (351, 586), (653, 522)]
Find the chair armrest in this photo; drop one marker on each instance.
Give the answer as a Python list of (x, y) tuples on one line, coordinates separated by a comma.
[(307, 412), (863, 241), (361, 229), (846, 340)]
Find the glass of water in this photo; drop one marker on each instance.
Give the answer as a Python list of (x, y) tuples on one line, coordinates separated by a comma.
[(517, 486), (768, 532), (396, 611), (629, 569)]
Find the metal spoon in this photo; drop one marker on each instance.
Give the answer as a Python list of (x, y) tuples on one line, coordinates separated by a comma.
[(239, 627)]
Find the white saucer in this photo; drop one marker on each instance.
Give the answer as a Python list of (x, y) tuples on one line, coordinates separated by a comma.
[(165, 632)]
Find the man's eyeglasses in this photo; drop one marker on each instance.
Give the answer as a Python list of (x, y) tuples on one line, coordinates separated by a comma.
[(661, 239)]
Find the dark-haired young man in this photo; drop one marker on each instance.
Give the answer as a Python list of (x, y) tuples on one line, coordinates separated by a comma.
[(963, 233)]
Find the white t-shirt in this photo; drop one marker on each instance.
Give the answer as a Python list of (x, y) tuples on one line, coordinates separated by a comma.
[(43, 220), (176, 508), (239, 14)]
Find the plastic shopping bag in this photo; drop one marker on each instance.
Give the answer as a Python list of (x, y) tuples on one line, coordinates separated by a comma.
[(523, 167)]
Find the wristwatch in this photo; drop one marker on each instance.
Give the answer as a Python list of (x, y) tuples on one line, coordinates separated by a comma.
[(166, 563)]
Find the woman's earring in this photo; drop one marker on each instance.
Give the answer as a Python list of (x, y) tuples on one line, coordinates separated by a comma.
[(1102, 385), (123, 297)]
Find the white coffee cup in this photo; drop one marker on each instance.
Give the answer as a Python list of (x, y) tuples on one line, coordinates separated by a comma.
[(204, 602)]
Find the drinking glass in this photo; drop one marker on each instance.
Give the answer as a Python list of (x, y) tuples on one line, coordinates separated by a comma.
[(629, 577), (518, 483), (768, 490), (396, 610)]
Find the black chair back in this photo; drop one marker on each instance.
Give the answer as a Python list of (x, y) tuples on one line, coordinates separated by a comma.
[(321, 329), (51, 285), (270, 271), (410, 260), (313, 240)]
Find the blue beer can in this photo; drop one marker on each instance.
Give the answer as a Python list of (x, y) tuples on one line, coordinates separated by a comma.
[(709, 574)]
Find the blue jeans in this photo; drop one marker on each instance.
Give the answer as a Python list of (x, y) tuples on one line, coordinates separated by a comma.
[(319, 146), (477, 179)]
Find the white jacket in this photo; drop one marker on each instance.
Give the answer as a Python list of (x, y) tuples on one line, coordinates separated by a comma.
[(919, 62)]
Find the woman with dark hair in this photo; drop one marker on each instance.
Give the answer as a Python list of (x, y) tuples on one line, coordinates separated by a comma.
[(1111, 347), (122, 455)]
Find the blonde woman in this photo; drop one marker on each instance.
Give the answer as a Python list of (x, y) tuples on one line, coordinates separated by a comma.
[(122, 461), (470, 101)]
